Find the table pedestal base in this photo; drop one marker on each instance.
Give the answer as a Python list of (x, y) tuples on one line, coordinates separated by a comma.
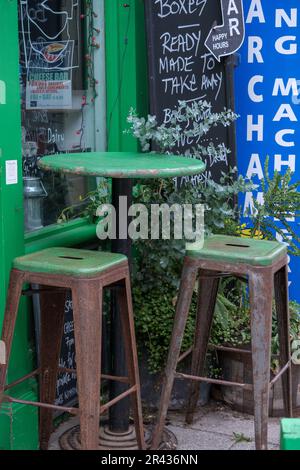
[(108, 440)]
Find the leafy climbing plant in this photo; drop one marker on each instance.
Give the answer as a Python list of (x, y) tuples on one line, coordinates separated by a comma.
[(280, 202), (158, 263)]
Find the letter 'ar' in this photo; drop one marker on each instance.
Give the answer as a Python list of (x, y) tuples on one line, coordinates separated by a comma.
[(225, 39)]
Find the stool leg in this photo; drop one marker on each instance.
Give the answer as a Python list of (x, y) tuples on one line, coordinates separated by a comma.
[(126, 310), (261, 290), (52, 322), (187, 284), (282, 309), (87, 311), (9, 322), (207, 296)]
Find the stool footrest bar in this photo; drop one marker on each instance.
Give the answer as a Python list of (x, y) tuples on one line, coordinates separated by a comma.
[(22, 379), (229, 349), (179, 375), (103, 376), (41, 405), (185, 354), (118, 398), (280, 373)]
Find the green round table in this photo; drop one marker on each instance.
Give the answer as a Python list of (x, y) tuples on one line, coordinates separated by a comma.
[(122, 167)]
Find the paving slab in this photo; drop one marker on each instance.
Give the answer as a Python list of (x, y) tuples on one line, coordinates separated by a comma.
[(220, 419), (188, 439)]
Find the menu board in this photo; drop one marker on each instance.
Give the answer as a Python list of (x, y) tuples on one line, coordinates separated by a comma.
[(66, 391), (181, 67)]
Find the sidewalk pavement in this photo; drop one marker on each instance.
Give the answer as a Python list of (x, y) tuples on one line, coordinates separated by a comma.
[(215, 427)]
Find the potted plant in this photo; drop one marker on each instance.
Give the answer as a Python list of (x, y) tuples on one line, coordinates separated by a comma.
[(157, 264), (281, 199)]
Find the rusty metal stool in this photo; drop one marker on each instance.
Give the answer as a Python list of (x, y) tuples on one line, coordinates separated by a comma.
[(264, 264), (86, 273)]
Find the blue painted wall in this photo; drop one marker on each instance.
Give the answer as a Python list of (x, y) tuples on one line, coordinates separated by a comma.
[(267, 88)]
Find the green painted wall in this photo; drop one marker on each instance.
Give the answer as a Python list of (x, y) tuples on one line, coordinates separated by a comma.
[(18, 425), (126, 69)]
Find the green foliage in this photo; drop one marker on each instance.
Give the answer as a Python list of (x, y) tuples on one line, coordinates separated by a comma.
[(231, 319), (154, 317), (294, 309), (87, 205), (187, 121), (240, 437), (160, 261), (281, 200)]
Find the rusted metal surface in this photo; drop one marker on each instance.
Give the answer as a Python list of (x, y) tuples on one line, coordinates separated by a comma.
[(185, 354), (124, 299), (282, 371), (186, 289), (197, 378), (228, 349), (10, 316), (87, 309), (261, 294), (22, 379), (207, 296), (111, 403), (262, 279), (283, 318), (103, 376), (39, 404)]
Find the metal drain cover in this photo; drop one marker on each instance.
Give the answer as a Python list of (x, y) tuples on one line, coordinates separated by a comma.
[(70, 440)]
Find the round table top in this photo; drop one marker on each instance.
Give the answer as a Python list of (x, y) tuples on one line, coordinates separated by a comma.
[(123, 164)]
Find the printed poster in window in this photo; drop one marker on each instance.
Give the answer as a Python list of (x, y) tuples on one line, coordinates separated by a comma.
[(49, 77)]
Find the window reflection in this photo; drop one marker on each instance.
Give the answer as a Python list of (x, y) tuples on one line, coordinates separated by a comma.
[(54, 94)]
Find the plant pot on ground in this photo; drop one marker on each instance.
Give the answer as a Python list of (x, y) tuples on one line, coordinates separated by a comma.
[(237, 367), (154, 316)]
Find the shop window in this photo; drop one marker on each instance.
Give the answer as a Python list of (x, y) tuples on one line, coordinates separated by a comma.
[(57, 102)]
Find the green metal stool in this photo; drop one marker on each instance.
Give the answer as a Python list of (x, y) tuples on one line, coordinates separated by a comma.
[(86, 273), (265, 265)]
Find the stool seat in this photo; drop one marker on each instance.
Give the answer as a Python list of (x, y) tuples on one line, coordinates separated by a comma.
[(68, 261), (240, 250)]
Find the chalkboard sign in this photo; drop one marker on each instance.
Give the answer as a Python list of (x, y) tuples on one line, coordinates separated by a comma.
[(182, 68), (66, 392)]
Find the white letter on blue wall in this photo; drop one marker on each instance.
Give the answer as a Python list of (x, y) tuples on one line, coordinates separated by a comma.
[(291, 50), (259, 128), (279, 138), (285, 90), (279, 162), (285, 112), (255, 167), (290, 21), (251, 92), (255, 44), (256, 11)]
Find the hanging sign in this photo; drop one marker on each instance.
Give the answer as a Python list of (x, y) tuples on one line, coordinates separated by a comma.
[(225, 39)]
